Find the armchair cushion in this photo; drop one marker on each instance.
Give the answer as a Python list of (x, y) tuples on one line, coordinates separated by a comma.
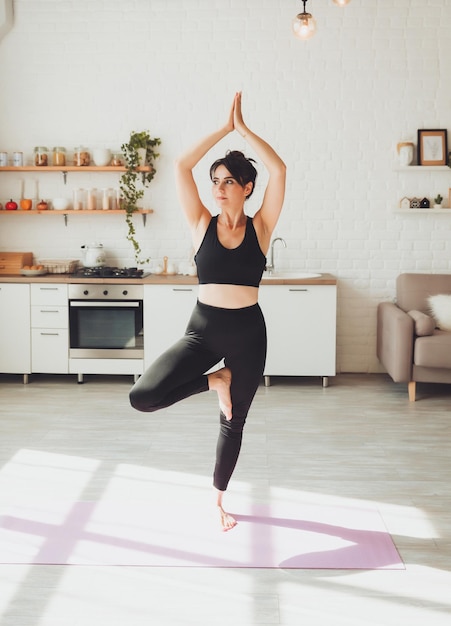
[(440, 306), (424, 324), (433, 351)]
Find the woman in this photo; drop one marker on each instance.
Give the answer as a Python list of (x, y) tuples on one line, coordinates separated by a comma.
[(227, 322)]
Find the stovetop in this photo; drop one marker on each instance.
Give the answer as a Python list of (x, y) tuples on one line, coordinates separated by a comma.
[(109, 272)]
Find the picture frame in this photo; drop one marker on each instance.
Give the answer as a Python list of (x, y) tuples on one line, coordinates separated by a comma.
[(432, 146)]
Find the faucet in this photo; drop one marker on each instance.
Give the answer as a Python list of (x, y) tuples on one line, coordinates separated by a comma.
[(270, 266)]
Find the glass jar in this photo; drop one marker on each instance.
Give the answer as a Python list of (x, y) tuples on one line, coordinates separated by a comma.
[(41, 156), (18, 159), (82, 156), (116, 199), (79, 199), (117, 159), (91, 199), (105, 199), (59, 156)]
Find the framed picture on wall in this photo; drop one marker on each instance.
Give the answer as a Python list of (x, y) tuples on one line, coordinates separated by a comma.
[(432, 146)]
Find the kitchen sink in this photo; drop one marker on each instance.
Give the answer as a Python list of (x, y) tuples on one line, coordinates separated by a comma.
[(281, 274)]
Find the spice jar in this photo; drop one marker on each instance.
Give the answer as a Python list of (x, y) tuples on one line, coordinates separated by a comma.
[(41, 156), (18, 159), (117, 159), (59, 156), (79, 195), (91, 199), (105, 199), (82, 156), (115, 199)]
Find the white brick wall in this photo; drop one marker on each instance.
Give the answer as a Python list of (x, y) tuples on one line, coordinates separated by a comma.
[(90, 71)]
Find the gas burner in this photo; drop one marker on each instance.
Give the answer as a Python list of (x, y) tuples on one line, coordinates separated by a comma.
[(109, 272)]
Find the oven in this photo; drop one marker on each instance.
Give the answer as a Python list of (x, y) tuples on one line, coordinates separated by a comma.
[(105, 323)]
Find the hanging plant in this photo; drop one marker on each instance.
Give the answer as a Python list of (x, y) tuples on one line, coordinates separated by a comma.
[(133, 182)]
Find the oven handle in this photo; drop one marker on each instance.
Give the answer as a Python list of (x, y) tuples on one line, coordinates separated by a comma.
[(93, 303)]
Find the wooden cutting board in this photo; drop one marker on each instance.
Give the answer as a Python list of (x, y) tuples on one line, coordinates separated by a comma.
[(12, 262)]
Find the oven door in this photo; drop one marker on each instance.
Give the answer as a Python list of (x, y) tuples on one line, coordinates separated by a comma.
[(106, 330)]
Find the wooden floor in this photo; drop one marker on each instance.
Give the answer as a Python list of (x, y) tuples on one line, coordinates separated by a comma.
[(357, 441)]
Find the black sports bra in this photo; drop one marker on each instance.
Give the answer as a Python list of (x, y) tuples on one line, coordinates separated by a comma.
[(243, 265)]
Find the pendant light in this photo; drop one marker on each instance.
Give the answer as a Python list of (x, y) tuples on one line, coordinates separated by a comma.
[(304, 24)]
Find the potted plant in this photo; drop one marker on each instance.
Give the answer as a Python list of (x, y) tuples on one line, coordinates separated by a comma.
[(438, 201), (133, 182)]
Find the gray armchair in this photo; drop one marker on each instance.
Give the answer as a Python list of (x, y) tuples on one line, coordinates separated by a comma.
[(409, 345)]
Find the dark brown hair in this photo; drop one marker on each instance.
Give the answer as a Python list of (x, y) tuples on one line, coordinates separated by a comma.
[(239, 166)]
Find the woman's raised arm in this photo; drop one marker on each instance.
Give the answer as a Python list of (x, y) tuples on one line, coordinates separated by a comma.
[(188, 194), (266, 218)]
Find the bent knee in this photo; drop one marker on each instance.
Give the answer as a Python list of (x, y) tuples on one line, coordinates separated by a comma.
[(142, 401)]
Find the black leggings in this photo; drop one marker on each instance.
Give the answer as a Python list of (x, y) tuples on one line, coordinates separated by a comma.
[(236, 335)]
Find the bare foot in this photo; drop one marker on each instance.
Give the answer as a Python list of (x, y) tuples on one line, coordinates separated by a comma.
[(220, 382), (227, 521)]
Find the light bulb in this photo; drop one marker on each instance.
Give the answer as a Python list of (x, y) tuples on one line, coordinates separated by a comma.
[(304, 26), (341, 3)]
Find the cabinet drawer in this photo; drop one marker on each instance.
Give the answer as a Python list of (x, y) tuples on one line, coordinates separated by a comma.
[(49, 316), (42, 293), (49, 351)]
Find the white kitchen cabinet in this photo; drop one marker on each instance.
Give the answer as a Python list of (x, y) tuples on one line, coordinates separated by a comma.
[(167, 309), (49, 329), (15, 344), (301, 327)]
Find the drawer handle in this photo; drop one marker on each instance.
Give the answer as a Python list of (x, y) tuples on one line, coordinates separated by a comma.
[(181, 289), (48, 288), (298, 290), (48, 311), (49, 334)]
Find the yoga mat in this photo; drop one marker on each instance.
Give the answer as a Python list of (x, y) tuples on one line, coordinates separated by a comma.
[(154, 534)]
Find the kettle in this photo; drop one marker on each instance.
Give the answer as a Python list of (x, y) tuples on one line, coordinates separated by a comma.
[(93, 255)]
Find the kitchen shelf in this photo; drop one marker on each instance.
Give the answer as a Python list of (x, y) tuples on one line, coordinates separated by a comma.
[(424, 168), (70, 168), (65, 214), (435, 211), (64, 169)]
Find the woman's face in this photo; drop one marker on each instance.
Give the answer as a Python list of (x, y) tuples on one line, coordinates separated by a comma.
[(227, 191)]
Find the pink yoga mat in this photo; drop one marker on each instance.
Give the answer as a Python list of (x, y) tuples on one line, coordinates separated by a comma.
[(145, 534)]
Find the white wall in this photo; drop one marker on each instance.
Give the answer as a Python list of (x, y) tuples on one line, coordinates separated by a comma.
[(90, 71)]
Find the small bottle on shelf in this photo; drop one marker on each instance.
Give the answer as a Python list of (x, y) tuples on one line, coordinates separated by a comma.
[(105, 199), (117, 199), (91, 199), (117, 159), (79, 195)]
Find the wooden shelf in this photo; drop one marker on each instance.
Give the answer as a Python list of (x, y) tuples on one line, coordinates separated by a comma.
[(416, 211), (65, 169), (72, 211), (70, 168), (65, 214), (424, 168)]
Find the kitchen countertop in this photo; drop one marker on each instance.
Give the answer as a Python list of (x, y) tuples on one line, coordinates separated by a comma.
[(157, 279)]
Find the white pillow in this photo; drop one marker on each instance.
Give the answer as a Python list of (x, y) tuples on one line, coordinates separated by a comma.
[(440, 306)]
